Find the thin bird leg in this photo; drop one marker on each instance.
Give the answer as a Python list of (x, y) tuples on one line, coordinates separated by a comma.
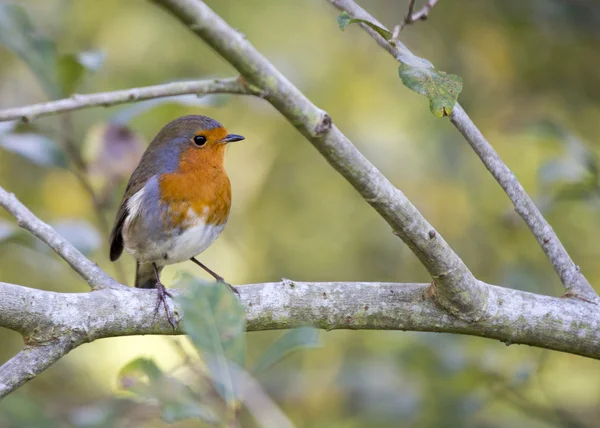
[(162, 298), (215, 275)]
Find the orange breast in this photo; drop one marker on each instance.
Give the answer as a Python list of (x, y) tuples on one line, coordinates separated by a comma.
[(201, 184)]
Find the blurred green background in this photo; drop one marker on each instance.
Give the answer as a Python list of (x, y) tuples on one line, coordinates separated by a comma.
[(531, 83)]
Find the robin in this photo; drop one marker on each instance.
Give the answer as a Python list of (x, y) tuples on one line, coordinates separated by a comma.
[(177, 201)]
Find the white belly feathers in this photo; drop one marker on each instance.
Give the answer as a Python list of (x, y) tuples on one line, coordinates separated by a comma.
[(193, 241), (180, 246)]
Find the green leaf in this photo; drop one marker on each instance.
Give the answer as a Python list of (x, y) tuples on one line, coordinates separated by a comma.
[(146, 380), (291, 341), (442, 89), (344, 20), (34, 147), (215, 321), (418, 74)]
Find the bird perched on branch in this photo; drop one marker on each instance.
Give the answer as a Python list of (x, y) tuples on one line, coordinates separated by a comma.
[(177, 201)]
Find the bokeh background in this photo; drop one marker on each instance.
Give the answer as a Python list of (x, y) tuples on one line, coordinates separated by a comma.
[(531, 83)]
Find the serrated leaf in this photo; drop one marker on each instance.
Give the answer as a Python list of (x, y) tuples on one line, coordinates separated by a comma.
[(417, 73), (34, 147), (442, 89), (344, 20), (146, 380), (215, 321), (291, 341)]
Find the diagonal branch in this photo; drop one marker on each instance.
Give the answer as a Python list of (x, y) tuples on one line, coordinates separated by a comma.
[(30, 362), (89, 271), (106, 99), (457, 289), (573, 280), (55, 323)]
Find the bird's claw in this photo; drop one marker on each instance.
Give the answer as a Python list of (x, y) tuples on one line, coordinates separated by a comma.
[(162, 298)]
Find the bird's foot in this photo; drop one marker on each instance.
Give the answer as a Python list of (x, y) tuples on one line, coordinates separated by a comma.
[(162, 298)]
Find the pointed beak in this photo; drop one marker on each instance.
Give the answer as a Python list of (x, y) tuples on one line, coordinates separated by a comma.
[(231, 138)]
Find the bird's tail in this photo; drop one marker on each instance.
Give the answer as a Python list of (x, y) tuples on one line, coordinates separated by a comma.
[(145, 276)]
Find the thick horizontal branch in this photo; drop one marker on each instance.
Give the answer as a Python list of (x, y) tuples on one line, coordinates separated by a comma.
[(54, 323), (106, 99), (89, 271), (575, 283), (457, 288)]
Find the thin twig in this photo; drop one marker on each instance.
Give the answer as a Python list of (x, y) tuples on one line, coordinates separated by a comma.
[(409, 14), (106, 99), (96, 277), (572, 278), (421, 14), (411, 17)]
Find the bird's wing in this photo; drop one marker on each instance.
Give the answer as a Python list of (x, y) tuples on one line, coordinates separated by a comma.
[(138, 180)]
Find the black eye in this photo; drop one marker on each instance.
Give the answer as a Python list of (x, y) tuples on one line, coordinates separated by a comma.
[(199, 140)]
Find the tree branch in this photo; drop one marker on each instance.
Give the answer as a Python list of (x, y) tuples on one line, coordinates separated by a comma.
[(573, 280), (457, 289), (52, 323), (30, 362), (412, 17), (89, 271), (106, 99), (55, 323), (421, 14)]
